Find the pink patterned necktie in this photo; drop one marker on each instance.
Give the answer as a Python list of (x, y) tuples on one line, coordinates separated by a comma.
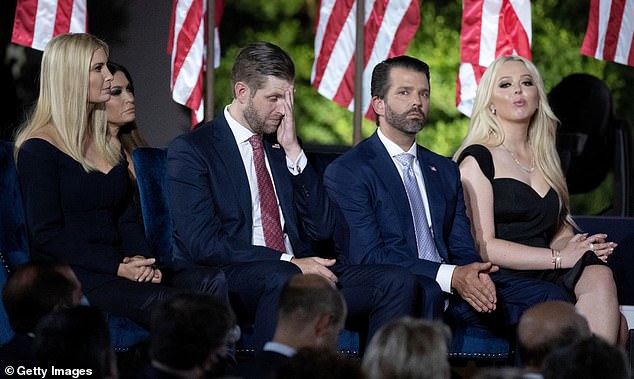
[(271, 225)]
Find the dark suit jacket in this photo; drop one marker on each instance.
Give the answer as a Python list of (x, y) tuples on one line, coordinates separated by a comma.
[(262, 366), (210, 200), (367, 187)]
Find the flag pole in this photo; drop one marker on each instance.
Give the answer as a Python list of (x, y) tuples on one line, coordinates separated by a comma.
[(211, 57), (359, 60)]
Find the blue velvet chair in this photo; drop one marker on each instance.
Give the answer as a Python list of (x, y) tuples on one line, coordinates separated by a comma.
[(14, 252), (150, 165), (621, 231)]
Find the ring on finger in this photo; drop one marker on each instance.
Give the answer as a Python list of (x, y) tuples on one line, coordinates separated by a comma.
[(592, 246)]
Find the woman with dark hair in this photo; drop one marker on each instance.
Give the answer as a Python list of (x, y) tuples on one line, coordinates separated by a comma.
[(121, 113)]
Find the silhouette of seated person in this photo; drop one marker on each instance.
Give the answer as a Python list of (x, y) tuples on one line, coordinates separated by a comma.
[(583, 105), (189, 335), (592, 139), (31, 292), (311, 313), (75, 342), (545, 327)]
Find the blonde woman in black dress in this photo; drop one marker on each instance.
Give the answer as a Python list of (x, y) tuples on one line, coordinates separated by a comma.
[(517, 197)]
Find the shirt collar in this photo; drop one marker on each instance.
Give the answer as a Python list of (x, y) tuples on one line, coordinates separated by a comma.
[(279, 348), (240, 132), (392, 148)]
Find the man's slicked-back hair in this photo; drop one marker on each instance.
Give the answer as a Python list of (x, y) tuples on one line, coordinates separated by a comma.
[(258, 60), (381, 74)]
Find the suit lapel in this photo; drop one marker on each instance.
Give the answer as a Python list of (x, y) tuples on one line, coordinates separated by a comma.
[(225, 143), (433, 187), (387, 173)]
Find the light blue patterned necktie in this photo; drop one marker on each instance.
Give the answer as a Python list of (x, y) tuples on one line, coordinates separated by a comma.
[(424, 240)]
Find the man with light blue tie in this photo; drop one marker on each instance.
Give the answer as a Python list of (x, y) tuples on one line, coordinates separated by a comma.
[(403, 204)]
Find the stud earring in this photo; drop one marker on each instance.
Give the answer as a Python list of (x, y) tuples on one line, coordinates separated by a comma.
[(494, 111)]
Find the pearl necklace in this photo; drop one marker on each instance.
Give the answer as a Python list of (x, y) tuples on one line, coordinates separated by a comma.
[(527, 170)]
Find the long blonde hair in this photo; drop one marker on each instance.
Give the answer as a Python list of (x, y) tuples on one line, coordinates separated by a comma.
[(63, 99), (484, 129)]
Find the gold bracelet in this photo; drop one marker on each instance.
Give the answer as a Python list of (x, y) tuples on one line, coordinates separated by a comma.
[(554, 259), (557, 259)]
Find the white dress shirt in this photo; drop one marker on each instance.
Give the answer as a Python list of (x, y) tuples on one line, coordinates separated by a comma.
[(445, 272), (279, 348), (242, 135)]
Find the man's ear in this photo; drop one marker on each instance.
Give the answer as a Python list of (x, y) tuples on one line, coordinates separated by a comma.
[(323, 324), (378, 105), (242, 92)]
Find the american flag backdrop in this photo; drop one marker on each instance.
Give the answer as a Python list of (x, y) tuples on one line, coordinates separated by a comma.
[(188, 46), (610, 32), (389, 27), (37, 21), (490, 28)]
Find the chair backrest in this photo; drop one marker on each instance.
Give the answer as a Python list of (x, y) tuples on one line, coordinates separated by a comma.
[(621, 231), (150, 167), (13, 236)]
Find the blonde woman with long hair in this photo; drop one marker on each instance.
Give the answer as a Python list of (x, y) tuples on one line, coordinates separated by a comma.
[(75, 184), (517, 197)]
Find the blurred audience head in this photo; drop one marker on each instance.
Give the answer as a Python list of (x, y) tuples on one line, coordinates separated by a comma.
[(74, 339), (588, 358), (319, 363), (191, 331), (499, 373), (546, 326), (409, 348), (35, 289), (311, 312)]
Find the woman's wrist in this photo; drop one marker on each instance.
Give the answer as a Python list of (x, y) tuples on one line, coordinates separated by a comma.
[(555, 259)]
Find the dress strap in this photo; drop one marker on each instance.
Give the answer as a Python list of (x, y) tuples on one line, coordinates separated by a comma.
[(483, 156)]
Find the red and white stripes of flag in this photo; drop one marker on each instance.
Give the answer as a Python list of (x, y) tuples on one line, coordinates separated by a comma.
[(389, 27), (490, 28), (37, 21), (610, 32), (187, 45)]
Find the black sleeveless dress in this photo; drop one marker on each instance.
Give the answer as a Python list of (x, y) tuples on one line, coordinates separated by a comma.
[(521, 215)]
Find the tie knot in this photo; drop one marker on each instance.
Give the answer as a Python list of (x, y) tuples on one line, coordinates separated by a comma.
[(256, 141), (405, 159)]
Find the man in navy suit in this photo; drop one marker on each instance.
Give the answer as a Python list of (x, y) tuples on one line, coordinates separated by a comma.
[(369, 184), (244, 198)]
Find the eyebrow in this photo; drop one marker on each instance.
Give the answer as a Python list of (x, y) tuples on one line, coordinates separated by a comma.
[(521, 76)]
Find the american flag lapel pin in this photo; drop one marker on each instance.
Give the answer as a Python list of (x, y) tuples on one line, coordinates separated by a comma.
[(275, 146)]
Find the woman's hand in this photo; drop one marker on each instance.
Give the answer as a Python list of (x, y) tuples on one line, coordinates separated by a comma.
[(580, 243), (139, 269), (600, 247)]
